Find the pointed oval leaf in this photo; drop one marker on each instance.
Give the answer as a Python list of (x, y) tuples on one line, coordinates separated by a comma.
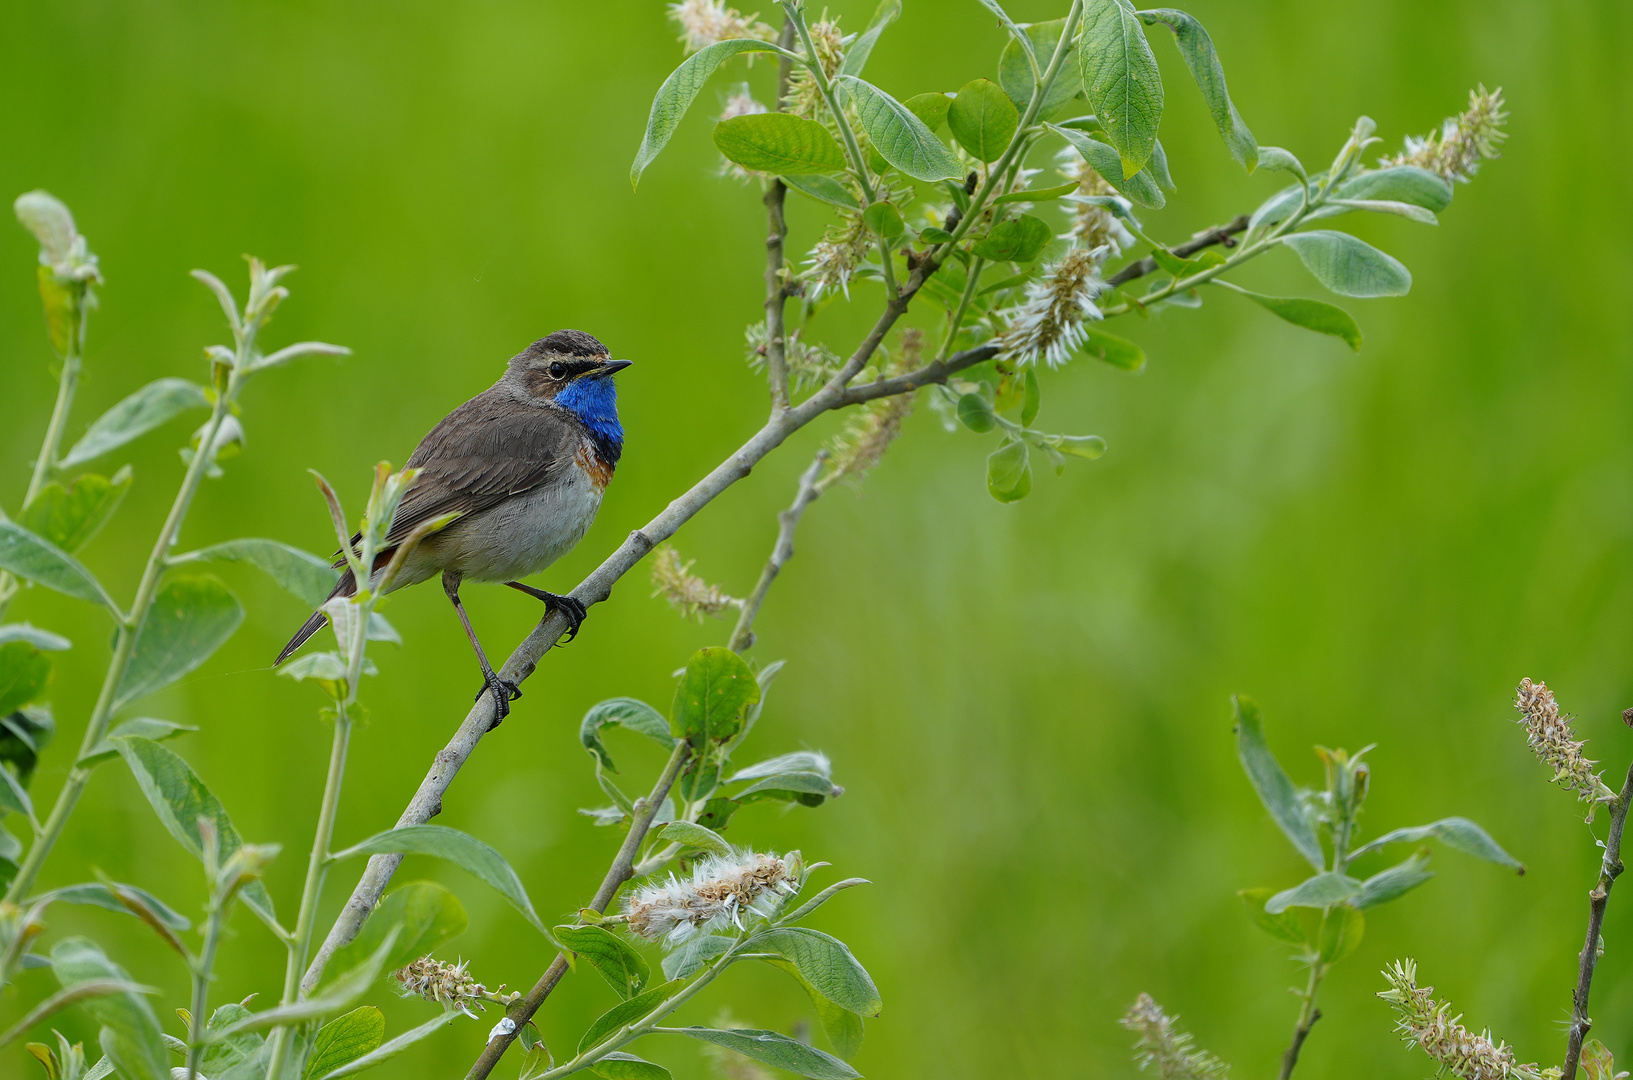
[(799, 761), (778, 143), (386, 1052), (1397, 881), (343, 1040), (1009, 472), (303, 574), (1197, 48), (180, 799), (191, 617), (690, 957), (805, 909), (792, 786), (690, 835), (1457, 833), (626, 1012), (1324, 890), (1275, 790), (69, 517), (1317, 315), (423, 914), (131, 1037), (1283, 926), (900, 137), (623, 968), (621, 1066), (98, 894), (777, 1050), (975, 413), (677, 93), (145, 727), (1341, 933), (1142, 187), (1399, 183), (983, 119), (845, 1029), (1119, 352), (24, 673), (931, 108), (629, 713), (43, 640), (823, 189), (1015, 70), (1349, 266), (136, 415), (42, 562), (826, 963), (1015, 240), (713, 692), (459, 848), (1121, 80)]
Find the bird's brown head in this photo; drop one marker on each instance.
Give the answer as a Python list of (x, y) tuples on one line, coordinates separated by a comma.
[(566, 358)]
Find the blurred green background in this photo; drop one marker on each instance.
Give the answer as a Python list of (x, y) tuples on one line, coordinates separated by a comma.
[(1028, 704)]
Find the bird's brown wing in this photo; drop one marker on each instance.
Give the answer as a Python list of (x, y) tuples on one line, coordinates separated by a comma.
[(488, 449)]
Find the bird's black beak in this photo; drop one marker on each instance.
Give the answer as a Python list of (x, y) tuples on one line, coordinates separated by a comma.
[(611, 367)]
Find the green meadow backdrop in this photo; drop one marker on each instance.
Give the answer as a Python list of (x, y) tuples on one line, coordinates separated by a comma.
[(1028, 704)]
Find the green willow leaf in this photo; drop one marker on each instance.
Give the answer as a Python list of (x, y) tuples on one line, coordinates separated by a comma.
[(691, 835), (1398, 183), (1015, 70), (69, 517), (626, 1011), (1341, 933), (1395, 882), (343, 1040), (678, 92), (98, 894), (44, 640), (629, 713), (1324, 890), (1142, 187), (975, 413), (778, 143), (845, 1029), (823, 189), (1117, 351), (42, 562), (900, 137), (301, 573), (611, 956), (1271, 782), (131, 1037), (810, 788), (191, 617), (983, 119), (180, 799), (1121, 80), (1009, 472), (690, 957), (461, 849), (826, 963), (1283, 926), (776, 1050), (621, 1066), (1459, 834), (1317, 315), (390, 1049), (1015, 240), (1197, 48), (24, 673), (1349, 266), (932, 108), (884, 219), (135, 416), (713, 692)]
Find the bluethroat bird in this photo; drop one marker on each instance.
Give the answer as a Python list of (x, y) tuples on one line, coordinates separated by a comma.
[(525, 463)]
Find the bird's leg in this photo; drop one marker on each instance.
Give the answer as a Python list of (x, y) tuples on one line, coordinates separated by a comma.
[(573, 609), (504, 691)]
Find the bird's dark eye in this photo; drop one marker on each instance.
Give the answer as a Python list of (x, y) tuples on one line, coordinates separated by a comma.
[(557, 369)]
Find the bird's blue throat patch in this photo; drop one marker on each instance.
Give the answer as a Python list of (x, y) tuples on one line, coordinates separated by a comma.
[(595, 402)]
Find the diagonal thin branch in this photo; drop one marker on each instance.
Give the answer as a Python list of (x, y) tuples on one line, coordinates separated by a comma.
[(742, 636)]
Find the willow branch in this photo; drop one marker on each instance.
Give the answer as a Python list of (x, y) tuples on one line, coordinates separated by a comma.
[(742, 636), (1223, 235), (1610, 868), (622, 869), (776, 288)]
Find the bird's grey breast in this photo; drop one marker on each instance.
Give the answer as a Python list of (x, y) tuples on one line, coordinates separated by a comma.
[(528, 531)]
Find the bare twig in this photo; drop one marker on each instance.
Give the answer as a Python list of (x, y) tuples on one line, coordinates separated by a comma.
[(1610, 868), (623, 866), (1224, 235), (1289, 1058), (742, 637)]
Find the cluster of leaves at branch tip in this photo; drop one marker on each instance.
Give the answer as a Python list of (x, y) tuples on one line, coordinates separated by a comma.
[(1322, 916), (959, 212)]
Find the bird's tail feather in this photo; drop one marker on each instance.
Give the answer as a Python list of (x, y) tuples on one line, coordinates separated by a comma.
[(346, 586)]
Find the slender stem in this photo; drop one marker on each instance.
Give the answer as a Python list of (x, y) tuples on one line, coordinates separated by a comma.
[(316, 868), (742, 636), (1223, 234), (956, 321), (203, 967), (1610, 868), (46, 462), (776, 289), (1308, 1015), (622, 869), (125, 641)]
